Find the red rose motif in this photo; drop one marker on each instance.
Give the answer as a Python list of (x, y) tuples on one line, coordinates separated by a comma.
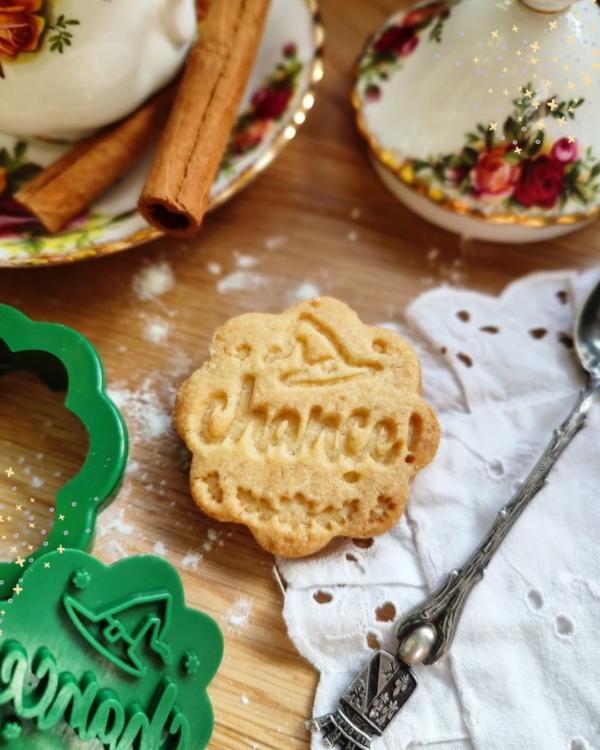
[(16, 220), (418, 15), (373, 93), (20, 27), (398, 40), (250, 138), (269, 103), (565, 152), (493, 174), (290, 49), (541, 183)]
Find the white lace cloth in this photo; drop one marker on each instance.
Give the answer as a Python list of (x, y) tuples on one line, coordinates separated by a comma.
[(524, 670)]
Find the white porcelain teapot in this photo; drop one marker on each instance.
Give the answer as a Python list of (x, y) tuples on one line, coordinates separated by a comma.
[(69, 67)]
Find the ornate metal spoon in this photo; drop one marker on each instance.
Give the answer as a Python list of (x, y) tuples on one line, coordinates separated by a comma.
[(425, 634)]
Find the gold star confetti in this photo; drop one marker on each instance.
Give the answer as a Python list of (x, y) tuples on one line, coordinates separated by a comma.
[(552, 24), (13, 549), (18, 507), (32, 526), (505, 92), (520, 88), (528, 93), (31, 500), (596, 65), (18, 589), (0, 632), (494, 34), (548, 83), (535, 47), (515, 29), (565, 67), (518, 150), (9, 518), (61, 549), (571, 85), (541, 124), (571, 138), (2, 613), (592, 28), (595, 52), (552, 104), (576, 101), (570, 39), (535, 103), (518, 53), (587, 80), (555, 59), (493, 125), (9, 472), (491, 91), (505, 70), (46, 565), (571, 110), (61, 518), (3, 537), (533, 60), (475, 59), (30, 547), (20, 561), (535, 75)]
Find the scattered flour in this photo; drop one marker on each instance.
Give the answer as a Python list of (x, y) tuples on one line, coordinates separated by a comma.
[(153, 281), (245, 700), (212, 537), (191, 560), (159, 549), (156, 331), (247, 281), (244, 261), (306, 290), (215, 268), (116, 523), (237, 616), (276, 242), (352, 236), (144, 407)]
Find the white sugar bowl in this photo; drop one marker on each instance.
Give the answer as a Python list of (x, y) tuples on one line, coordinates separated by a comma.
[(483, 117), (69, 67)]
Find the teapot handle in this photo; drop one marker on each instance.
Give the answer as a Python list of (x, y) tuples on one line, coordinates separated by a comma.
[(179, 16)]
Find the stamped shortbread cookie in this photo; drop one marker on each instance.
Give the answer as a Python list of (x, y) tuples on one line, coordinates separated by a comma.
[(305, 426)]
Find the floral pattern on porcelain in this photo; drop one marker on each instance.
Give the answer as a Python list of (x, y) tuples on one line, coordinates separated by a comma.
[(24, 27), (518, 169), (267, 107), (388, 49), (21, 28)]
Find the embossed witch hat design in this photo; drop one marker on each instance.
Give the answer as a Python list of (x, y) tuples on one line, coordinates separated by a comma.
[(120, 662), (319, 359), (117, 632)]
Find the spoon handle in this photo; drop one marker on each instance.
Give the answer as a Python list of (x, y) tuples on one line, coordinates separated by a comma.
[(443, 609)]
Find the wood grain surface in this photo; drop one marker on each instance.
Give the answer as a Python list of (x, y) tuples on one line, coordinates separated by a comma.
[(318, 219)]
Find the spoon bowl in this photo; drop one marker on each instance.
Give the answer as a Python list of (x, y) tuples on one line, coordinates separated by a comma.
[(587, 333)]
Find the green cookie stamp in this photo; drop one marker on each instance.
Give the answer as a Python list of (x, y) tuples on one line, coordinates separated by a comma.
[(66, 360), (120, 660)]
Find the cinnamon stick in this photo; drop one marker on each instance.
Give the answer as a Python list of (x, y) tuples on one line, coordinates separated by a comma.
[(177, 192), (67, 187)]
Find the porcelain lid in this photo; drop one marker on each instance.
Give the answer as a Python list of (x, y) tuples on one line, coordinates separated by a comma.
[(490, 110)]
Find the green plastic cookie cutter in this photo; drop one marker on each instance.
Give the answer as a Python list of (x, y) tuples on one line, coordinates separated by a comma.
[(65, 360), (109, 654)]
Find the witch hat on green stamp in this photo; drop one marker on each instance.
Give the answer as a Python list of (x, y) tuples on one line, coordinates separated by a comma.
[(65, 360), (120, 659)]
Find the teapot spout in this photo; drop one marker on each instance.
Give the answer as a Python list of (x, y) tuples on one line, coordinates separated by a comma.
[(179, 18)]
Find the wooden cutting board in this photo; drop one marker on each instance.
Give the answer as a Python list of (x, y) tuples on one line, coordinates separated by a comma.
[(320, 221)]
